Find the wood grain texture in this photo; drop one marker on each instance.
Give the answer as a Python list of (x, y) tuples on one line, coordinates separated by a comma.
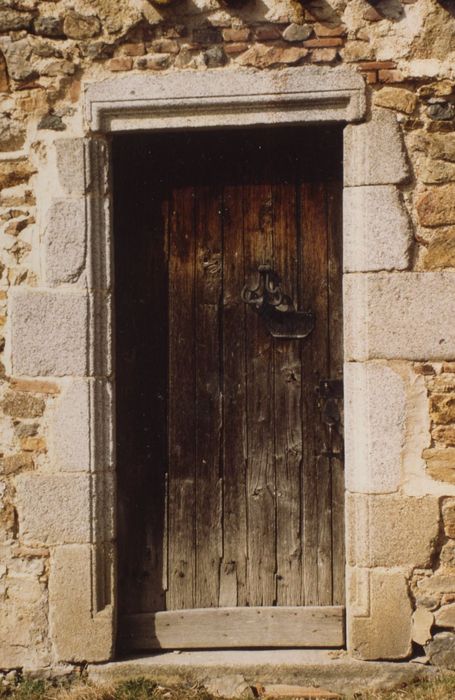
[(237, 627)]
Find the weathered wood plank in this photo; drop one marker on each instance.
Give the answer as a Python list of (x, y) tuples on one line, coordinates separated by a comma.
[(182, 425), (287, 410), (233, 566), (316, 483), (208, 291), (335, 255), (237, 628), (258, 248)]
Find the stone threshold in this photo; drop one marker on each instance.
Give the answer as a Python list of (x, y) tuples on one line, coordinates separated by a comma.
[(228, 671)]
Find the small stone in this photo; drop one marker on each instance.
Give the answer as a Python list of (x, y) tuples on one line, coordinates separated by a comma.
[(323, 55), (4, 82), (422, 621), (445, 616), (16, 463), (33, 444), (441, 251), (372, 15), (49, 26), (38, 386), (132, 49), (235, 48), (154, 61), (52, 122), (442, 88), (215, 57), (236, 35), (12, 20), (441, 464), (22, 405), (207, 35), (18, 55), (441, 650), (448, 516), (437, 206), (396, 98), (447, 557), (164, 46), (441, 111), (26, 429), (121, 63), (262, 56), (59, 67), (15, 172), (435, 172), (329, 30), (297, 32), (390, 76), (267, 33), (358, 51), (77, 26)]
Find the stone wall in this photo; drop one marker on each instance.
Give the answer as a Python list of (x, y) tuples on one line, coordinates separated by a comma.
[(399, 258)]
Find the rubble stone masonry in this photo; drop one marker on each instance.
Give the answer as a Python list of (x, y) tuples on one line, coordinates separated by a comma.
[(399, 262)]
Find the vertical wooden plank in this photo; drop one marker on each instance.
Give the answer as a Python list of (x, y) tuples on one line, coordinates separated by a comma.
[(208, 292), (316, 481), (233, 568), (288, 418), (258, 248), (334, 191), (182, 425)]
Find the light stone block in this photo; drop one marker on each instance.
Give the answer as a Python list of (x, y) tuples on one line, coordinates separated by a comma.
[(376, 230), (48, 332), (374, 152), (65, 241), (399, 315), (81, 427), (77, 631), (73, 165), (391, 530), (54, 508), (375, 406), (386, 632), (239, 97)]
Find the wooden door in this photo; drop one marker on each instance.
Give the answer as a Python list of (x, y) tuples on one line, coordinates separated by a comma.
[(229, 440)]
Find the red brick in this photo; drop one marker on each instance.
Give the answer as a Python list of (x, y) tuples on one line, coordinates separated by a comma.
[(371, 76), (236, 47), (38, 386), (376, 65), (324, 30), (323, 43), (267, 33)]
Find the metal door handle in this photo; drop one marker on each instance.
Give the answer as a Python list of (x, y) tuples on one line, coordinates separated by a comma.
[(277, 309)]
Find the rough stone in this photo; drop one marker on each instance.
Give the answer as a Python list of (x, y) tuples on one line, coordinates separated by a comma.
[(4, 84), (54, 508), (49, 26), (16, 463), (363, 142), (440, 146), (376, 229), (441, 111), (48, 332), (70, 598), (436, 585), (215, 57), (441, 464), (448, 516), (402, 315), (441, 650), (437, 172), (77, 26), (38, 386), (374, 538), (263, 56), (442, 408), (297, 32), (447, 556), (358, 51), (53, 122), (441, 250), (422, 622), (396, 98), (65, 241), (18, 58), (373, 465), (12, 20), (390, 609), (22, 405), (437, 206), (444, 434), (445, 616)]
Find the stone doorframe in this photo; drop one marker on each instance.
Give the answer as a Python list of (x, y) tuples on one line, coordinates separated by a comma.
[(61, 328)]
